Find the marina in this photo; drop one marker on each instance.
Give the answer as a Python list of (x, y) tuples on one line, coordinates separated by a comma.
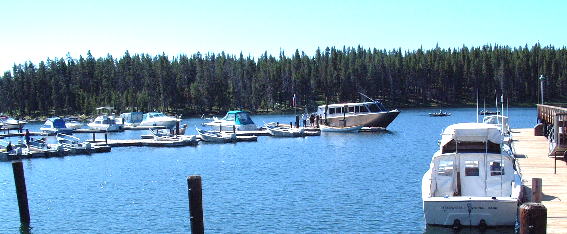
[(322, 155)]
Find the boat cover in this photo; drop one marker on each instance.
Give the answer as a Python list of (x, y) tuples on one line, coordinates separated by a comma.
[(58, 122), (472, 132)]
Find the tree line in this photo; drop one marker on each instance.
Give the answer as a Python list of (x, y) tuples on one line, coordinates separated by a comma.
[(219, 82)]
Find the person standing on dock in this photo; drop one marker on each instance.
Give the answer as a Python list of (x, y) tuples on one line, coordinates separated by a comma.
[(27, 137), (312, 120)]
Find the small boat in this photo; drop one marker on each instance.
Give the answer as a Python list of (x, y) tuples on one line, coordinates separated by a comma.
[(325, 128), (55, 125), (473, 179), (487, 112), (498, 120), (439, 114), (105, 123), (73, 123), (159, 119), (216, 137), (9, 122), (239, 120), (285, 131)]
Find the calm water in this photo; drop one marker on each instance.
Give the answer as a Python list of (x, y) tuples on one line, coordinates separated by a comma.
[(365, 182)]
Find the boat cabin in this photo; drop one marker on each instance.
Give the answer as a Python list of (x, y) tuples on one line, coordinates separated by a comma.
[(239, 117), (351, 108)]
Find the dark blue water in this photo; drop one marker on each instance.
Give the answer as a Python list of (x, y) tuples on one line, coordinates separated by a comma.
[(336, 182)]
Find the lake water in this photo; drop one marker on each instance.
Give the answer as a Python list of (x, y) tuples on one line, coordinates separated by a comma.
[(336, 182)]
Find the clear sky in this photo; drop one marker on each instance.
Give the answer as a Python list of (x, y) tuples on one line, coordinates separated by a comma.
[(37, 30)]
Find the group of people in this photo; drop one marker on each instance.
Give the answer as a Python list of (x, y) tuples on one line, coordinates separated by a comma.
[(313, 119)]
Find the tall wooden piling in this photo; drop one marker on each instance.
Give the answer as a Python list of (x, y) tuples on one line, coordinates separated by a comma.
[(21, 192), (94, 138), (106, 138), (297, 121), (177, 128), (195, 204), (536, 190), (533, 218)]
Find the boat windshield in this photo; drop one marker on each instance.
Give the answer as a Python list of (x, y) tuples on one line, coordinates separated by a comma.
[(244, 118), (229, 117)]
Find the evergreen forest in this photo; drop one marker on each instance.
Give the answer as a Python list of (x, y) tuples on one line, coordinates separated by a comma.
[(204, 83)]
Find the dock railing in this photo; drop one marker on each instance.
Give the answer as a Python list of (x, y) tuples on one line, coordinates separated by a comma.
[(554, 119)]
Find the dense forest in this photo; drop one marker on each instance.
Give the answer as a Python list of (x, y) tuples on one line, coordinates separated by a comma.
[(218, 82)]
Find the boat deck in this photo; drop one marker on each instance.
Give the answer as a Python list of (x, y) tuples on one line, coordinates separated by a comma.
[(532, 152)]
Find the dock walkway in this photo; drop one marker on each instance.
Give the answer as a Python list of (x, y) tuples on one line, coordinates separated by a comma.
[(532, 152)]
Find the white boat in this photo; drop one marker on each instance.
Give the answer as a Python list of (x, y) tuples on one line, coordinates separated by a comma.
[(8, 122), (216, 137), (367, 114), (473, 179), (105, 123), (158, 119), (56, 125), (73, 123), (499, 121), (284, 131), (239, 120), (325, 128)]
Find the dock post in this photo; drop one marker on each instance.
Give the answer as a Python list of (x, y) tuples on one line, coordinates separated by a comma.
[(536, 190), (533, 218), (195, 204), (21, 192), (105, 138), (297, 121), (94, 138), (177, 128), (290, 125), (233, 129), (220, 127)]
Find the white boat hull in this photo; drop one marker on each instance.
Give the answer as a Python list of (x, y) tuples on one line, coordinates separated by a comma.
[(286, 132), (340, 129), (165, 122), (104, 127), (501, 211)]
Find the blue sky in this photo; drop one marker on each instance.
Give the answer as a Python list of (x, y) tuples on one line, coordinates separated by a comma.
[(37, 30)]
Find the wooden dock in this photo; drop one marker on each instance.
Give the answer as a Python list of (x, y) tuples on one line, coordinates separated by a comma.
[(532, 152)]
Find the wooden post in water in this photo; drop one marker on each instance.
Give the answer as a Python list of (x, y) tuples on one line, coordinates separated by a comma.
[(21, 192), (94, 138), (177, 128), (105, 138), (533, 218), (290, 125), (234, 129), (536, 190), (195, 204), (297, 121)]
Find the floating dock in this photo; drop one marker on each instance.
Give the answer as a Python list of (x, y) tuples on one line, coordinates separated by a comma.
[(534, 160), (37, 153)]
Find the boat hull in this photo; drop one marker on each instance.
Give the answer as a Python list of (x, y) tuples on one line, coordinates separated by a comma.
[(105, 127), (340, 129), (378, 119), (168, 123), (501, 211)]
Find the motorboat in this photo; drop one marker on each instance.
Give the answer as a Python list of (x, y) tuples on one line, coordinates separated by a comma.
[(473, 179), (500, 121), (55, 125), (365, 114), (73, 123), (488, 112), (237, 120), (439, 114), (159, 119), (105, 123), (132, 119), (325, 128), (285, 131), (216, 137), (9, 122)]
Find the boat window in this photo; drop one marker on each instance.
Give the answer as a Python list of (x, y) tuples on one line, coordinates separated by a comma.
[(496, 168), (373, 108), (363, 109), (339, 110), (471, 168), (244, 118), (445, 168), (331, 111), (357, 109), (351, 109), (229, 117)]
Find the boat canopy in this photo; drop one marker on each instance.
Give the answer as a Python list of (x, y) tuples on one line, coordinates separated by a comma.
[(132, 117), (153, 115), (471, 137), (239, 117), (57, 122)]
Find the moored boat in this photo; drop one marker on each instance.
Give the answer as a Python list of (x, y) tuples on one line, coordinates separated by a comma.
[(216, 137), (73, 123), (132, 119), (366, 114), (9, 122), (159, 119), (55, 125), (439, 114), (473, 179), (239, 120), (285, 131)]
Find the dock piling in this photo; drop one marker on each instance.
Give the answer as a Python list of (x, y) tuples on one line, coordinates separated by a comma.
[(177, 128), (533, 218), (106, 138), (21, 192), (195, 204), (536, 190), (94, 138)]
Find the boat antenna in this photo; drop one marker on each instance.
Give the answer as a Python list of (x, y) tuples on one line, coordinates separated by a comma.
[(366, 97), (477, 106)]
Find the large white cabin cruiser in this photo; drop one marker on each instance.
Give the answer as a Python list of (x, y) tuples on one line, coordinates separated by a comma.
[(366, 114), (105, 123), (158, 119), (55, 125), (473, 179), (240, 120)]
